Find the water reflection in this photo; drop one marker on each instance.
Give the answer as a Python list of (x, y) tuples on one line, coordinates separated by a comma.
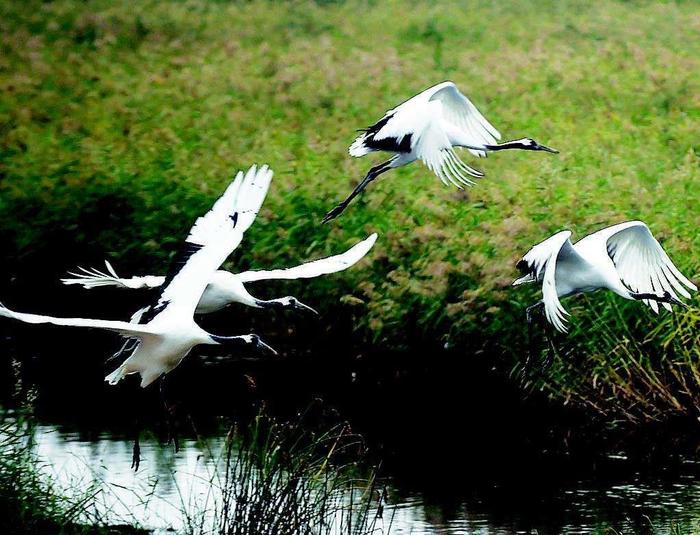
[(152, 497), (169, 482)]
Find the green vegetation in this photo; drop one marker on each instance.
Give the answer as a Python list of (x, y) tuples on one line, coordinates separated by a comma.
[(120, 122), (282, 478)]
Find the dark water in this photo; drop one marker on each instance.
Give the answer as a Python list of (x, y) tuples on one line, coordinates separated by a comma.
[(461, 449), (167, 481)]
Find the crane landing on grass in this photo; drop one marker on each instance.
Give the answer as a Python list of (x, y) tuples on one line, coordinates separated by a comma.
[(427, 127), (624, 258), (167, 331)]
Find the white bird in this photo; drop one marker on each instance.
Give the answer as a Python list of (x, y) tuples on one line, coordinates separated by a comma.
[(225, 288), (624, 258), (427, 127), (168, 331)]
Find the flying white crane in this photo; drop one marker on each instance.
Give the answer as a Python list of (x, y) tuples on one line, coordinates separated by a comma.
[(167, 331), (225, 288), (427, 127), (624, 258)]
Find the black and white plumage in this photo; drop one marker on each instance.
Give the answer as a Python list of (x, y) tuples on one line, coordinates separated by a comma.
[(427, 127), (225, 288), (624, 258), (167, 331)]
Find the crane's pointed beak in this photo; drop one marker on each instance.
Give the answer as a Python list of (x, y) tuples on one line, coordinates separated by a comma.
[(547, 149), (674, 300), (262, 346), (298, 305)]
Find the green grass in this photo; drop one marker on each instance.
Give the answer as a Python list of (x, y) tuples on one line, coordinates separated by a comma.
[(280, 477), (120, 123)]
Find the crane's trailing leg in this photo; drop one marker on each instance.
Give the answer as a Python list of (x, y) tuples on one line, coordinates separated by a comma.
[(371, 175), (552, 350), (136, 453), (531, 313), (128, 346), (170, 414)]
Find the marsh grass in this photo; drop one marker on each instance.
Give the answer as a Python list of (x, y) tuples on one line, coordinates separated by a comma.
[(274, 477), (119, 123), (637, 375)]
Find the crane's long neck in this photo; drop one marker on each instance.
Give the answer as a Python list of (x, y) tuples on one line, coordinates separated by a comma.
[(524, 143), (234, 341), (666, 297), (508, 145), (246, 340), (281, 303), (224, 288)]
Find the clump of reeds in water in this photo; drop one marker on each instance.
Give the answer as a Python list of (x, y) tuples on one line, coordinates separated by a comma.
[(281, 478)]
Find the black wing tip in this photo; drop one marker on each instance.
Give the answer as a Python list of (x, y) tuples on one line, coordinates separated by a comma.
[(152, 311), (389, 144), (376, 127)]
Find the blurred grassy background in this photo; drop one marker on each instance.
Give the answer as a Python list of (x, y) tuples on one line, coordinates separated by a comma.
[(121, 122)]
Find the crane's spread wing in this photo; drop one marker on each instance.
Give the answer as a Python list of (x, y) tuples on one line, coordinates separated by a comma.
[(541, 263), (458, 110), (397, 130), (414, 126), (121, 327), (212, 238), (434, 149), (429, 140), (316, 268), (373, 139), (642, 263), (94, 278)]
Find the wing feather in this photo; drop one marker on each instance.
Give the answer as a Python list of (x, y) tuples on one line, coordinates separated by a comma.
[(212, 238), (122, 327), (315, 268), (642, 264), (459, 111), (541, 263), (401, 127), (94, 278), (434, 149)]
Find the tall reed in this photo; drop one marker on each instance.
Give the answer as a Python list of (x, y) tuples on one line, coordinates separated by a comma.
[(284, 478)]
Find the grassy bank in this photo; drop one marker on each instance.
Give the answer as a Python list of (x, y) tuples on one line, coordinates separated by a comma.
[(119, 124)]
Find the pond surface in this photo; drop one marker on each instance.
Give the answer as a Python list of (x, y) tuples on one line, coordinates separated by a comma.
[(154, 496), (461, 449)]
